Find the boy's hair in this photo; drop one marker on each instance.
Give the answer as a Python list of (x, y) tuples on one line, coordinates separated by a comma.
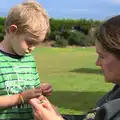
[(108, 34), (29, 17)]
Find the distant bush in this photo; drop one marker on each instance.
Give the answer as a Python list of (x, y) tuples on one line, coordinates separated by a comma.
[(72, 38), (79, 38), (53, 35), (66, 34), (60, 42)]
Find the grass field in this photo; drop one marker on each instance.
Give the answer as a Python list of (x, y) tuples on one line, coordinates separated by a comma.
[(77, 82)]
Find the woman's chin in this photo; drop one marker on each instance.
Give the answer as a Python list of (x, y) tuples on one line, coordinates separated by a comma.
[(107, 80)]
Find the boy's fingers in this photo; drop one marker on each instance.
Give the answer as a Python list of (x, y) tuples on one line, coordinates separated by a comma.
[(41, 97), (47, 90), (36, 104)]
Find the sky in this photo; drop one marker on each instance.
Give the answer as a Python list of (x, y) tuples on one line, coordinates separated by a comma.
[(72, 9)]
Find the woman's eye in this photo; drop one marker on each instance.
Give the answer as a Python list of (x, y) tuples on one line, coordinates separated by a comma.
[(102, 57)]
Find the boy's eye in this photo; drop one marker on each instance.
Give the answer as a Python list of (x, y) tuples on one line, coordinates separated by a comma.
[(29, 43), (32, 41)]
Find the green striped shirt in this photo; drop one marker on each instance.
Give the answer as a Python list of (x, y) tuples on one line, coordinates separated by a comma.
[(17, 75)]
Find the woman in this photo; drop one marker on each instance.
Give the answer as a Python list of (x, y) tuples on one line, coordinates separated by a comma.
[(108, 50)]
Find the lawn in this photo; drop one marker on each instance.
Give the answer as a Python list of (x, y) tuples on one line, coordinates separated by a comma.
[(77, 82)]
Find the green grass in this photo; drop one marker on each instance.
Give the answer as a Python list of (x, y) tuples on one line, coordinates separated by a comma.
[(76, 80)]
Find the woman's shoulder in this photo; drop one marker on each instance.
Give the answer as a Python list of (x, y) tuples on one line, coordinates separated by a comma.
[(110, 95), (109, 111)]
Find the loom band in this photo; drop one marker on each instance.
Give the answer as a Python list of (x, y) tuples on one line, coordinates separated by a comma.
[(21, 98)]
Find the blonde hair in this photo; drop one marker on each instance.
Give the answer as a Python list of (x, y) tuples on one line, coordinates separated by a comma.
[(29, 17), (108, 34)]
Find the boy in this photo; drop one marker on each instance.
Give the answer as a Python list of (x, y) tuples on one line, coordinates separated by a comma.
[(26, 26)]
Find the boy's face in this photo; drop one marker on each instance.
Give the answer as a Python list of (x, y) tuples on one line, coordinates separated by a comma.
[(25, 43)]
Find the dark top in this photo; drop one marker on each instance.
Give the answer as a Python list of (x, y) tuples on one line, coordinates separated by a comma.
[(111, 95)]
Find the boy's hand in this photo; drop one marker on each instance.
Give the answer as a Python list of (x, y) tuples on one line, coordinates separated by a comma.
[(46, 89), (32, 93)]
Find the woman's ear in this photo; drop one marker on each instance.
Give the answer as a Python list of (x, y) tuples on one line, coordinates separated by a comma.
[(13, 29)]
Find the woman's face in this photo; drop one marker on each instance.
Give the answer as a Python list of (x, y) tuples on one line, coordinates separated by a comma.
[(108, 63)]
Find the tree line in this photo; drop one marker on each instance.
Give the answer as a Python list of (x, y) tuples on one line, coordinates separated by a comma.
[(65, 32)]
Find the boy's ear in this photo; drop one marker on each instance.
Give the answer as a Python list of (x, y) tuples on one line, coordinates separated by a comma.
[(13, 29)]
